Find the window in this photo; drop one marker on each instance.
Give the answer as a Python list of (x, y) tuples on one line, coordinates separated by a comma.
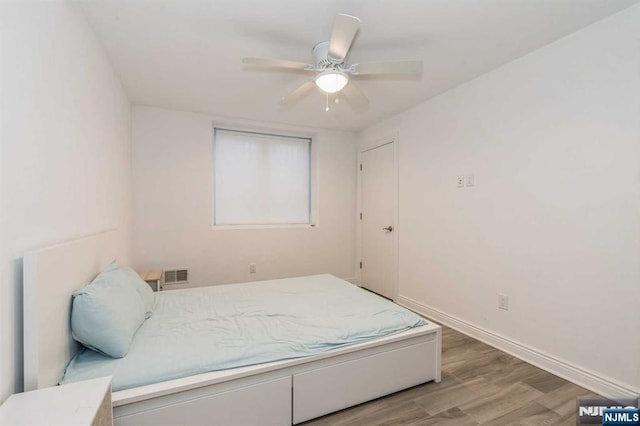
[(261, 178)]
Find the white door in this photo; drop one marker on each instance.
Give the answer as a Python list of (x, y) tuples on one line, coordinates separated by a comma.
[(378, 195)]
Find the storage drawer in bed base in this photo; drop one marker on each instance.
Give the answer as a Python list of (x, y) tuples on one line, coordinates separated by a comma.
[(332, 388), (267, 403)]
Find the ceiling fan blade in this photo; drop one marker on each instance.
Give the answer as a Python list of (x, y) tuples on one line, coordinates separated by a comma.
[(354, 95), (298, 93), (387, 67), (343, 32), (277, 63)]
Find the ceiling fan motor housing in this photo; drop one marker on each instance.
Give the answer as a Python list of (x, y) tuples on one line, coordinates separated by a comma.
[(321, 58)]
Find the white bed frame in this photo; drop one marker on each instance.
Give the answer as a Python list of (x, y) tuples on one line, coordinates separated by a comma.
[(277, 393)]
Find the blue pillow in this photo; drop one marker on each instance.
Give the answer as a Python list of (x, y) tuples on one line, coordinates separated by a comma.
[(144, 290), (132, 278), (107, 313)]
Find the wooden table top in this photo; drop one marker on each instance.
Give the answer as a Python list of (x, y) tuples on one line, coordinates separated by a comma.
[(151, 275)]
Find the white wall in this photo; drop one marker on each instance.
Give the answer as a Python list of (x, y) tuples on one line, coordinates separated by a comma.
[(173, 187), (553, 222), (65, 149)]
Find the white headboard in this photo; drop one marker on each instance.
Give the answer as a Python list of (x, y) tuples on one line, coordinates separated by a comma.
[(51, 275)]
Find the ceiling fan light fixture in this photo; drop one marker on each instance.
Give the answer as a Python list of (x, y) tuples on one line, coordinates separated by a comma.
[(332, 81)]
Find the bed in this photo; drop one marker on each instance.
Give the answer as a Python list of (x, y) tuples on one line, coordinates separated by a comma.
[(285, 391)]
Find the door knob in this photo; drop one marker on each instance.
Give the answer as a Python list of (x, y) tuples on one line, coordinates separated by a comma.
[(388, 228)]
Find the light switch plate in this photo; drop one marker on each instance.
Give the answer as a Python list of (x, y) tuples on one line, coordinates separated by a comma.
[(470, 180)]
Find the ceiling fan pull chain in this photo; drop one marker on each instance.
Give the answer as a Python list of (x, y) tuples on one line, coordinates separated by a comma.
[(327, 107)]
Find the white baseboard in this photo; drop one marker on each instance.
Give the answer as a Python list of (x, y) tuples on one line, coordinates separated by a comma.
[(582, 377)]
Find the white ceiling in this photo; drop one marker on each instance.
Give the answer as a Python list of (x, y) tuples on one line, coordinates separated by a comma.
[(186, 54)]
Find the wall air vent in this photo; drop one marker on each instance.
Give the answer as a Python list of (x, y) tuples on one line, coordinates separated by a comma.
[(176, 276)]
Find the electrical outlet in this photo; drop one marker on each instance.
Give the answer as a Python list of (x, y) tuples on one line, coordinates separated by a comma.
[(460, 181), (471, 180), (503, 302), (252, 268)]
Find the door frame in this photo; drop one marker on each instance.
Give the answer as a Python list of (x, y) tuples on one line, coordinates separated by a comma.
[(365, 146)]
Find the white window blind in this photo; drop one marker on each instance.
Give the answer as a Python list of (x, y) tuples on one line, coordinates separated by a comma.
[(260, 178)]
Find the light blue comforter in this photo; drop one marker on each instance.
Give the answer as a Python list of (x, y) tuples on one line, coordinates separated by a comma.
[(204, 329)]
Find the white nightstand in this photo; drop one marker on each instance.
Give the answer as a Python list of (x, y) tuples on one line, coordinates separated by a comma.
[(81, 403), (153, 278)]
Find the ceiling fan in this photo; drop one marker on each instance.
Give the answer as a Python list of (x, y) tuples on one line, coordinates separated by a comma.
[(333, 75)]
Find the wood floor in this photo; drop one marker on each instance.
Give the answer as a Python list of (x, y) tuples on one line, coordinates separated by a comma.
[(480, 386)]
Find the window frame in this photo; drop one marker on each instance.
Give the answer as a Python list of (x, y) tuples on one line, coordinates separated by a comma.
[(281, 133)]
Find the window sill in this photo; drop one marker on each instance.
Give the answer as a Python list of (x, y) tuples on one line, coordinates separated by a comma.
[(264, 226)]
